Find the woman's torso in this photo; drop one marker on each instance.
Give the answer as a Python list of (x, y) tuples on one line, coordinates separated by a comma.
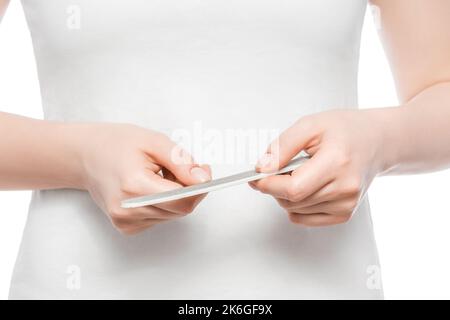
[(216, 76)]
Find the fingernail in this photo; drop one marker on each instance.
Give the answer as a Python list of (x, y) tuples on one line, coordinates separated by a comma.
[(265, 160), (252, 185), (199, 174)]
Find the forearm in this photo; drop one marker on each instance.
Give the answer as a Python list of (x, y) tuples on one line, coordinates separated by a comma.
[(38, 154), (416, 136)]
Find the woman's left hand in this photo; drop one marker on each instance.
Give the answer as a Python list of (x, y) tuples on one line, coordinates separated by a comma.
[(345, 148)]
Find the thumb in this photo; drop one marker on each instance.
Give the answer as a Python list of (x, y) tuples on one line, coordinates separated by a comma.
[(179, 162), (289, 144)]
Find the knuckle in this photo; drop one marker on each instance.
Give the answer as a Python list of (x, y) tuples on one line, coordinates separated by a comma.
[(119, 224), (352, 204), (344, 219), (187, 210), (284, 203), (118, 216), (295, 218), (353, 187), (333, 192), (129, 184), (127, 187), (188, 207), (342, 158), (261, 185), (293, 193)]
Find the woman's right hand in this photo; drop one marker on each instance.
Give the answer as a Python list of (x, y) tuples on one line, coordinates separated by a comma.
[(120, 161)]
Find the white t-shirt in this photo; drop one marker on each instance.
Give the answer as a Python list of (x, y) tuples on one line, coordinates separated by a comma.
[(214, 75)]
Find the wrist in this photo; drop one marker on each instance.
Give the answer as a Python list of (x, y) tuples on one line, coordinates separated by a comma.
[(75, 136), (388, 124)]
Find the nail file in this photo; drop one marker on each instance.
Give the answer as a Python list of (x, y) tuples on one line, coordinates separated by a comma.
[(209, 186)]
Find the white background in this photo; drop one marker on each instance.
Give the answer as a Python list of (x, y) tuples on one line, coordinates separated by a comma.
[(411, 213)]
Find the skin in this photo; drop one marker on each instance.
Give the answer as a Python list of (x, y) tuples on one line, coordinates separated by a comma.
[(128, 167), (41, 154), (349, 148)]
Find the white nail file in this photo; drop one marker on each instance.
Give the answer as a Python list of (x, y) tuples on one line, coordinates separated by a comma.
[(209, 186)]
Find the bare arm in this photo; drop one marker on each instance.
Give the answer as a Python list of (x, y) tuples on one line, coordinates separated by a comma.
[(350, 148), (110, 161), (37, 154), (416, 37)]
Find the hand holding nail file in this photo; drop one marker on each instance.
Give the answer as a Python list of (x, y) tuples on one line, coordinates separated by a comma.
[(209, 186)]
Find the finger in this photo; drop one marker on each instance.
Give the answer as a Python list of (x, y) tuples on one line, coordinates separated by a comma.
[(178, 161), (327, 193), (185, 205), (151, 183), (170, 176), (152, 212), (339, 207), (312, 176), (207, 168), (147, 182), (126, 222), (317, 220), (182, 206), (277, 186), (138, 228), (293, 140)]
